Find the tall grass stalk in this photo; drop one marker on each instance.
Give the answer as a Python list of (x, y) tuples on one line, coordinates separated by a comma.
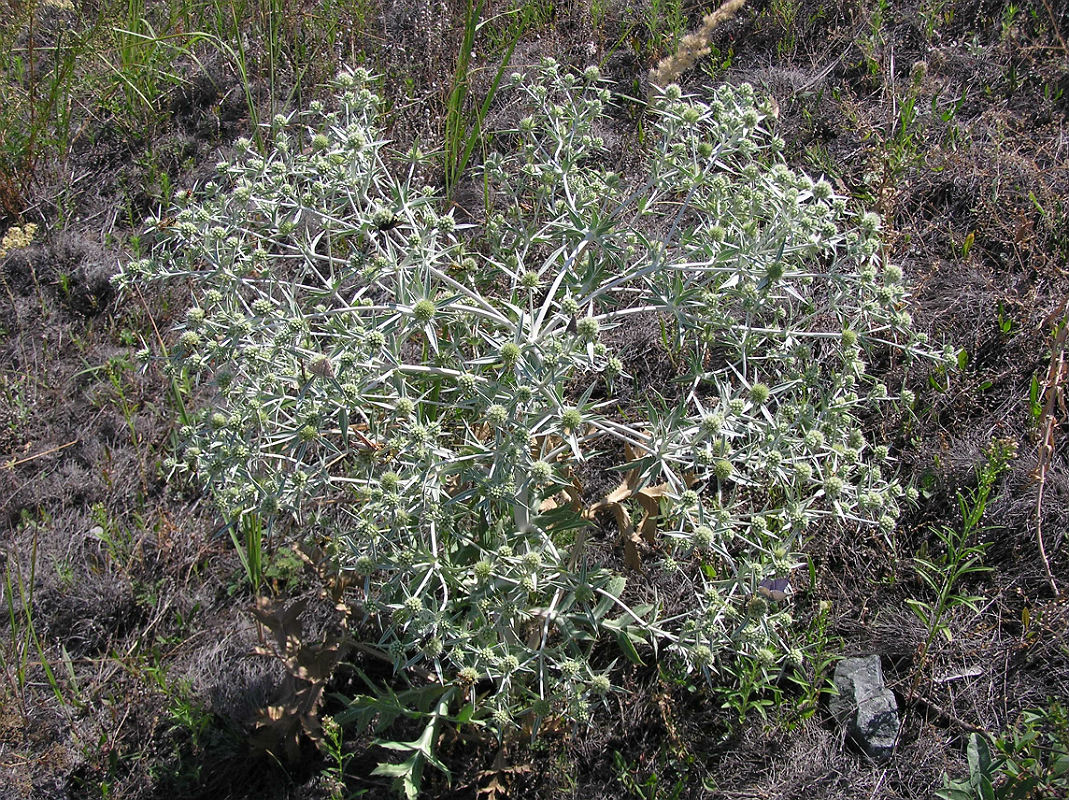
[(18, 594), (462, 133)]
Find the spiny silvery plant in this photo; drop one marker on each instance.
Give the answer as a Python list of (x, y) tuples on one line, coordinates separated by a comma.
[(423, 394)]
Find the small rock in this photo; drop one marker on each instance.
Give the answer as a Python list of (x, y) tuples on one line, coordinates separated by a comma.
[(865, 706)]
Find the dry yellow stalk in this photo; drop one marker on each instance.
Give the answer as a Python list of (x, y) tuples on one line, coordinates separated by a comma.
[(693, 46)]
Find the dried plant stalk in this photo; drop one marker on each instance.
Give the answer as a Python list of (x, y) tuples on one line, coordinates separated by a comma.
[(1053, 400), (693, 46)]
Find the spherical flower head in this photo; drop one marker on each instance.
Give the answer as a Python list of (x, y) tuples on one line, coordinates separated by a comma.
[(366, 528), (814, 440), (569, 306), (190, 340), (702, 655), (364, 566), (218, 420), (262, 306), (759, 393), (688, 498), (887, 524), (468, 676), (870, 501), (870, 222), (737, 406), (530, 280), (497, 415), (389, 481), (803, 472), (405, 407), (849, 338), (269, 506), (600, 684), (775, 272), (375, 340), (672, 92), (383, 218), (833, 486), (195, 316), (591, 74), (571, 419), (587, 327), (467, 382), (320, 142), (613, 366), (723, 469), (483, 569), (756, 606), (433, 647), (703, 537), (712, 424), (541, 472), (510, 353), (766, 656), (413, 605), (570, 668)]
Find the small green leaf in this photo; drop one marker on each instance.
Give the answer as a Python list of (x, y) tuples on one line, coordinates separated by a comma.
[(623, 638), (614, 588), (466, 713), (979, 756)]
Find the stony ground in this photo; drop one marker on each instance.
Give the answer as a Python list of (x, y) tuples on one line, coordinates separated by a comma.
[(130, 667)]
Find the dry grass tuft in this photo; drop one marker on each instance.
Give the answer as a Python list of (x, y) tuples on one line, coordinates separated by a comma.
[(694, 45)]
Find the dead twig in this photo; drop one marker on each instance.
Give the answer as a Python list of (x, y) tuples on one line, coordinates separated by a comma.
[(1053, 400), (946, 718), (13, 462)]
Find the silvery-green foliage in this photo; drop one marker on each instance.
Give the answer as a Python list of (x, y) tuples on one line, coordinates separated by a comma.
[(405, 387)]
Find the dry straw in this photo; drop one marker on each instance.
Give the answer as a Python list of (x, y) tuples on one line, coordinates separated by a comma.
[(694, 45)]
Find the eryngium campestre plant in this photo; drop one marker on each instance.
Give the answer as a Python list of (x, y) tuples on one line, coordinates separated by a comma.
[(405, 387)]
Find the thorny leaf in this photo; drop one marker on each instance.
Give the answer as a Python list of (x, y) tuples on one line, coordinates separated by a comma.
[(499, 776), (294, 708)]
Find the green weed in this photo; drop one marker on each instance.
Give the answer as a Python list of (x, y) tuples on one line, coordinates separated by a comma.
[(960, 556), (1030, 760)]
